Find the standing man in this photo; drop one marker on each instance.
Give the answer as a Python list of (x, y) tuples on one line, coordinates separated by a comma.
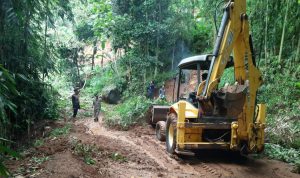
[(75, 102), (151, 90), (162, 93), (97, 107)]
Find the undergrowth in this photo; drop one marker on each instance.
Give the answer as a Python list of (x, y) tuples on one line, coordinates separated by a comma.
[(134, 103), (282, 97), (290, 155), (130, 112), (61, 131), (86, 151)]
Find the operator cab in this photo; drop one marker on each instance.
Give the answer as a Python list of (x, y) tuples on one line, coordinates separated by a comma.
[(196, 65)]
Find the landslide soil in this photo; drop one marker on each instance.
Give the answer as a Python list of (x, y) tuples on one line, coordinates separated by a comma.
[(132, 153)]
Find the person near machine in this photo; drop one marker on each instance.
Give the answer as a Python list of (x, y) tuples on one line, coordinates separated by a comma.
[(151, 90), (97, 107), (162, 92), (75, 103)]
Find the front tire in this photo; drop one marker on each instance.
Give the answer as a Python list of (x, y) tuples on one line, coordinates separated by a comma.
[(160, 131), (171, 133)]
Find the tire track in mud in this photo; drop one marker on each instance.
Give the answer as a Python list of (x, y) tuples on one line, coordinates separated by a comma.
[(142, 141), (146, 144)]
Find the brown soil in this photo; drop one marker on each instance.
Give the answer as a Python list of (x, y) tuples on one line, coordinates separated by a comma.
[(185, 88), (134, 153)]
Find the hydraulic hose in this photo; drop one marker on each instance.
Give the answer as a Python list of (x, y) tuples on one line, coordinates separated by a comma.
[(217, 46)]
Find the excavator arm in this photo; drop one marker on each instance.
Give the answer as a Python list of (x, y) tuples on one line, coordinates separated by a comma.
[(225, 118), (233, 37)]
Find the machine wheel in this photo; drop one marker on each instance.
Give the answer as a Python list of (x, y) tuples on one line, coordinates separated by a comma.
[(171, 133), (160, 131)]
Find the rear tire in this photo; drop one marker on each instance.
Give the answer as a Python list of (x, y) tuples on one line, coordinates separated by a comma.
[(160, 131), (149, 117), (171, 133)]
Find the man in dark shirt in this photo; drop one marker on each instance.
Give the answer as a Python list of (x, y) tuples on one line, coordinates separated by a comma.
[(75, 102), (151, 90)]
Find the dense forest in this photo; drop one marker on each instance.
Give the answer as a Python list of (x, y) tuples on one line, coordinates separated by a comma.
[(50, 47)]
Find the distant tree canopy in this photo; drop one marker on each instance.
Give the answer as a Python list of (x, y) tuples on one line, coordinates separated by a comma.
[(160, 33)]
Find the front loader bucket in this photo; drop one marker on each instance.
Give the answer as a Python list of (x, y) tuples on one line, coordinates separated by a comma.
[(159, 113), (231, 100)]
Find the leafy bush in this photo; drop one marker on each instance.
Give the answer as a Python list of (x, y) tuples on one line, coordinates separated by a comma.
[(39, 160), (130, 112), (38, 142), (227, 77), (289, 155), (86, 151), (118, 157), (101, 78), (281, 95), (61, 131), (7, 106), (5, 153)]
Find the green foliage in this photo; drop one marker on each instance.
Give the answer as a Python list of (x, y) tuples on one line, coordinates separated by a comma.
[(280, 94), (267, 35), (227, 77), (28, 56), (289, 155), (118, 157), (130, 112), (38, 142), (127, 113), (39, 160), (84, 31), (5, 153), (89, 160), (61, 131), (86, 151), (101, 79), (7, 88)]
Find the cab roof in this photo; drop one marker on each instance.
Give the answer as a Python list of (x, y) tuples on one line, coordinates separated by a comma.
[(203, 60)]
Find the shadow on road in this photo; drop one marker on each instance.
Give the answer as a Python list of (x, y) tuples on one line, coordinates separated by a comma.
[(221, 156)]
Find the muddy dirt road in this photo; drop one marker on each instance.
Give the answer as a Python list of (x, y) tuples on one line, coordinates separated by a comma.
[(91, 150)]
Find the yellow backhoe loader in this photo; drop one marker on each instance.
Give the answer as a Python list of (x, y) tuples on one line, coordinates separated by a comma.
[(212, 117)]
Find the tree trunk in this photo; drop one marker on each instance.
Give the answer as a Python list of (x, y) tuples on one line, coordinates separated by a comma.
[(94, 53), (2, 16), (25, 54), (266, 34), (173, 56), (28, 129), (145, 79), (283, 31), (156, 57), (157, 39), (193, 8), (45, 37), (182, 49), (115, 61), (102, 58), (75, 61), (298, 51)]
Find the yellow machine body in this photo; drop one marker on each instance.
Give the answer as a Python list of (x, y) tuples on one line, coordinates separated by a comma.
[(248, 129)]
